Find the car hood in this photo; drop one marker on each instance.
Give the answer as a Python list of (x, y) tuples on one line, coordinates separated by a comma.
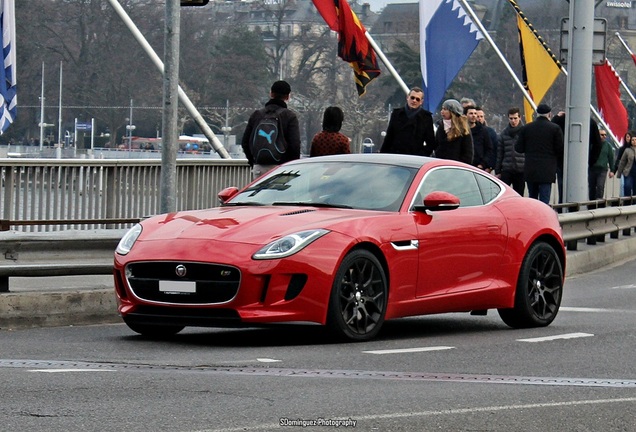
[(247, 224)]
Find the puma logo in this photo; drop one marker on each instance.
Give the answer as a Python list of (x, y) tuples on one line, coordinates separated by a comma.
[(267, 136)]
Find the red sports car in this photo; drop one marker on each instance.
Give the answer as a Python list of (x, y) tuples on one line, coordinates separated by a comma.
[(346, 241)]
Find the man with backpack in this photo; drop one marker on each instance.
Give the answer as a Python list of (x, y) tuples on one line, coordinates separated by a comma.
[(272, 134)]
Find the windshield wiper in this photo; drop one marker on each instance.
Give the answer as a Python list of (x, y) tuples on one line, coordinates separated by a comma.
[(310, 204)]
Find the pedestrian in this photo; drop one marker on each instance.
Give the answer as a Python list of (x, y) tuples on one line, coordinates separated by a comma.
[(410, 129), (452, 138), (272, 134), (627, 142), (542, 143), (510, 163), (494, 139), (330, 141), (466, 102), (627, 169), (594, 149), (598, 172), (482, 146)]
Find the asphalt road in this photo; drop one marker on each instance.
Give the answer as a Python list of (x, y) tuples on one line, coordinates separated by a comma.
[(451, 372)]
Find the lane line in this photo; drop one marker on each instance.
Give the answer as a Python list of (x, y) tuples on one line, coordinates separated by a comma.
[(557, 337), (408, 350), (585, 309)]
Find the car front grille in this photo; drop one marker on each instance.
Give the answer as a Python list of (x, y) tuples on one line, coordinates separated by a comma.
[(207, 283)]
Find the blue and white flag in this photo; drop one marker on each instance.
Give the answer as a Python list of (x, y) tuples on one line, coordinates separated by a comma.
[(8, 100), (447, 39)]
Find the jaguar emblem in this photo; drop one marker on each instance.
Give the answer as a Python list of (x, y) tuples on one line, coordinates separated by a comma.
[(181, 270)]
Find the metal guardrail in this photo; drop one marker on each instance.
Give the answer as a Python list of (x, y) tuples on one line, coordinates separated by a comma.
[(594, 224), (83, 189), (62, 253)]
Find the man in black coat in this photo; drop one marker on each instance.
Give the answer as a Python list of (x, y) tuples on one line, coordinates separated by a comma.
[(542, 143), (279, 95), (410, 129), (482, 145)]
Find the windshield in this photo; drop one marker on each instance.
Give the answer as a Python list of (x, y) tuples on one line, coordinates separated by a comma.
[(368, 186)]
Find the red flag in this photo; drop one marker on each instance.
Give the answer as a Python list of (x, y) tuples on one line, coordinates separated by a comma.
[(353, 46), (608, 97)]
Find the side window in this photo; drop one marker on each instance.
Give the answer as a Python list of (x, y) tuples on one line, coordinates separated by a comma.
[(459, 182), (489, 189)]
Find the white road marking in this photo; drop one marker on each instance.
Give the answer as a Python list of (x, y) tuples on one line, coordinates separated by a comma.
[(409, 350), (584, 309), (451, 411), (632, 286), (70, 370), (267, 360), (556, 337)]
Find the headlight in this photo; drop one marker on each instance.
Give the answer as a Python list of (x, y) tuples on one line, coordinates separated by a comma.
[(289, 245), (128, 240)]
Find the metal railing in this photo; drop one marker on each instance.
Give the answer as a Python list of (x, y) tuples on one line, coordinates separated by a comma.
[(97, 192)]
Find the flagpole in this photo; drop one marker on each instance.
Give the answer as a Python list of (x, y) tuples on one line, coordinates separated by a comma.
[(596, 113), (387, 63), (483, 31), (618, 35)]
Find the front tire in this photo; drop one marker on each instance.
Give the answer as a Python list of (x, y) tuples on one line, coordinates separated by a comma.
[(359, 296), (539, 289)]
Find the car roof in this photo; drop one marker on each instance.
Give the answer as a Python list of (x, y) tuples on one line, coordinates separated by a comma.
[(378, 158)]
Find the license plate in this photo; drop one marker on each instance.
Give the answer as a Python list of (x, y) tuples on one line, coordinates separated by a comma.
[(178, 287)]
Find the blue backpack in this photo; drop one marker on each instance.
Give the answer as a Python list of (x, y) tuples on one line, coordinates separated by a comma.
[(268, 143)]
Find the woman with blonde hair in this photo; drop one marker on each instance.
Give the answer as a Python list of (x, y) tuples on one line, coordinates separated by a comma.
[(452, 138)]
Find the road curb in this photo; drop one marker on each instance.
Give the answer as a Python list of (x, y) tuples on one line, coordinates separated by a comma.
[(30, 309)]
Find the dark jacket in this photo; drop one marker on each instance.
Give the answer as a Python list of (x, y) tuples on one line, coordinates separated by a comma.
[(289, 125), (595, 139), (542, 143), (460, 149), (482, 146), (407, 135), (508, 159), (605, 159), (494, 139), (619, 155)]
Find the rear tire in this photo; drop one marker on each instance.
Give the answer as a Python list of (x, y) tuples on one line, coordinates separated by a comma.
[(539, 289), (359, 297)]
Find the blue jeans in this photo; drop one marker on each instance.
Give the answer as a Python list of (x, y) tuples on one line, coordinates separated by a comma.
[(540, 191), (628, 185)]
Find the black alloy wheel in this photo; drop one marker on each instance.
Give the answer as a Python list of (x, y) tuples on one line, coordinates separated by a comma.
[(539, 289), (359, 296)]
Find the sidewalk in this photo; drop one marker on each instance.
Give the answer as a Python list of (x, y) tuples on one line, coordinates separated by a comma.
[(83, 300)]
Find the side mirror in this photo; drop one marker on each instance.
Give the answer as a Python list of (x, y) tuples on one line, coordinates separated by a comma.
[(439, 201), (227, 193)]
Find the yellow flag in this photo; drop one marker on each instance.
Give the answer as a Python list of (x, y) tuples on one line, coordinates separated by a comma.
[(540, 67)]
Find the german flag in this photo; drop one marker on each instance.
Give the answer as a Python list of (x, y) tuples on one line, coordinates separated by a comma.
[(353, 46)]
